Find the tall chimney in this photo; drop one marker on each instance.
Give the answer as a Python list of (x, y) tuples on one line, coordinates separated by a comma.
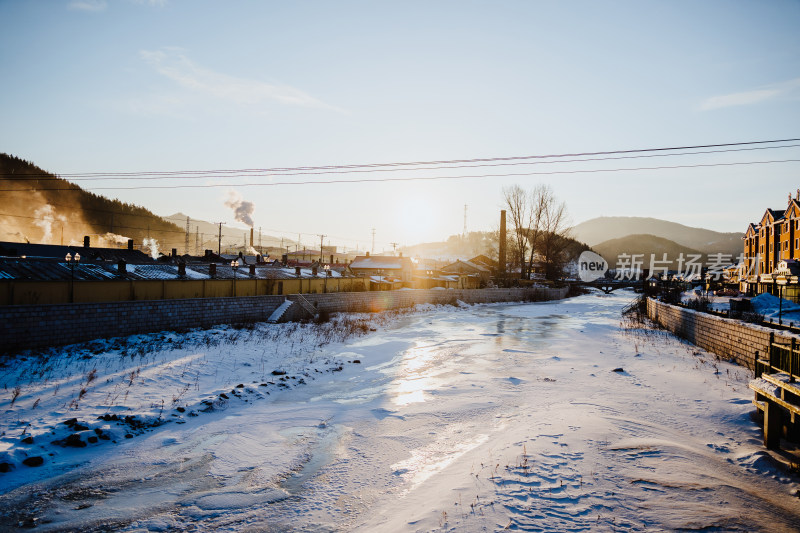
[(86, 241), (251, 237), (502, 249)]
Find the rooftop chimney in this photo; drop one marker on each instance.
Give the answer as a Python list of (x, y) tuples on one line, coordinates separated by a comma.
[(212, 270), (252, 270), (86, 241), (367, 254), (122, 267), (297, 271), (181, 268), (130, 244), (174, 252)]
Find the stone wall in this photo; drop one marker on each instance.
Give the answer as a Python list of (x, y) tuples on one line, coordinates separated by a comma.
[(37, 326), (728, 338)]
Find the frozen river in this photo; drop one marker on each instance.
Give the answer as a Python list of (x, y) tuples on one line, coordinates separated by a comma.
[(531, 417)]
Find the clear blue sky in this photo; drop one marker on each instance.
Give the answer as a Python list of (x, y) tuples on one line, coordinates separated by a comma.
[(129, 86)]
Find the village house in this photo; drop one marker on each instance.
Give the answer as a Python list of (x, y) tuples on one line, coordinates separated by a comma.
[(471, 275), (771, 248), (396, 271)]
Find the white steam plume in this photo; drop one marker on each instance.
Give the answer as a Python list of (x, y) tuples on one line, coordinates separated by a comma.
[(152, 246), (45, 217), (242, 210)]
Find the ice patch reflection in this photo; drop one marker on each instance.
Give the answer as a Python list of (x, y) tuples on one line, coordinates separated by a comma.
[(413, 375), (430, 460)]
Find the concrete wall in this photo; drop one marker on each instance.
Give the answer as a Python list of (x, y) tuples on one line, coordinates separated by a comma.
[(728, 338), (16, 292), (36, 326)]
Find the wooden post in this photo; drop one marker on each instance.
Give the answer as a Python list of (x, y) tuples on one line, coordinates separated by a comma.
[(772, 425), (758, 366), (771, 349), (791, 361)]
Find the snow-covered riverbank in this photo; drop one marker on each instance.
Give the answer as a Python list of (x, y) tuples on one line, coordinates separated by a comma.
[(535, 417)]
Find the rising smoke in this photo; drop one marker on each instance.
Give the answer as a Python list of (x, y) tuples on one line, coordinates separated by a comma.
[(152, 246), (45, 217), (242, 210)]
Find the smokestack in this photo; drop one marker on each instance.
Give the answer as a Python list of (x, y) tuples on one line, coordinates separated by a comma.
[(251, 237), (502, 250), (130, 244), (86, 241)]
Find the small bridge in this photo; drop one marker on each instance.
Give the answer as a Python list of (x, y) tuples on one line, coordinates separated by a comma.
[(610, 285)]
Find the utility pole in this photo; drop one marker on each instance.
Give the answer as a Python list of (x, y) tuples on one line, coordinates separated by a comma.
[(320, 247), (219, 242), (394, 247), (186, 244), (373, 241)]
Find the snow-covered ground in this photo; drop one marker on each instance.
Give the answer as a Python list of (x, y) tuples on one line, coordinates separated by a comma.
[(771, 307), (536, 417)]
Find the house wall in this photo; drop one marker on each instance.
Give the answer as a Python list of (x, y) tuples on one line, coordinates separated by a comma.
[(727, 338), (36, 326), (58, 292)]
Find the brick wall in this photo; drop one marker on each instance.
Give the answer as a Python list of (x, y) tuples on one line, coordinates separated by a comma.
[(728, 338), (36, 326)]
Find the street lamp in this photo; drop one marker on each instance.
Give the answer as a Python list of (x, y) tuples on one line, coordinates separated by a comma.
[(72, 261), (234, 266)]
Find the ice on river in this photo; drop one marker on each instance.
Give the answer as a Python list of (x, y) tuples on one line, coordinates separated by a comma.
[(455, 419)]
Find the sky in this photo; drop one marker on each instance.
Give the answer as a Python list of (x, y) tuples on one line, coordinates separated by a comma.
[(136, 86)]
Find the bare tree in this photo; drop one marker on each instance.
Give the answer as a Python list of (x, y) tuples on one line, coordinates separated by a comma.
[(554, 236), (518, 205)]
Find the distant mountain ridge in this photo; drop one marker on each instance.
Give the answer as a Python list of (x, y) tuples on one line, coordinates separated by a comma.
[(647, 247), (602, 229)]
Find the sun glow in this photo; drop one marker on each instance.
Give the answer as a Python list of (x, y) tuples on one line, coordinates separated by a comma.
[(418, 218)]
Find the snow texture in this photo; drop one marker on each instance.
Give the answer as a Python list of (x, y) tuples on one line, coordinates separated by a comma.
[(553, 416)]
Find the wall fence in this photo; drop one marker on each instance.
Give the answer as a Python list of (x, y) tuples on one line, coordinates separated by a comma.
[(38, 326), (729, 338)]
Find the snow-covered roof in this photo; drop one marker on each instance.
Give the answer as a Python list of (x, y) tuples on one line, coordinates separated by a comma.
[(381, 261)]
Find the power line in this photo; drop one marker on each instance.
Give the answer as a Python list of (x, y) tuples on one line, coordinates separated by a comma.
[(268, 173), (142, 228), (413, 178), (185, 174)]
